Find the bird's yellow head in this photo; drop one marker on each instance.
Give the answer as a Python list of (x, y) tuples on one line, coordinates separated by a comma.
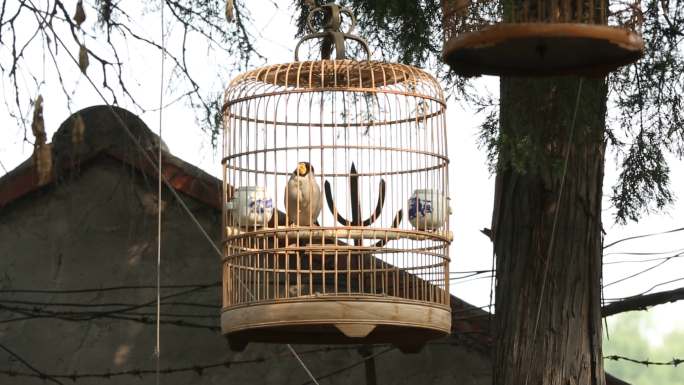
[(303, 168)]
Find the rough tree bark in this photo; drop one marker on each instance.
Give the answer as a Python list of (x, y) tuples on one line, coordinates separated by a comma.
[(556, 292)]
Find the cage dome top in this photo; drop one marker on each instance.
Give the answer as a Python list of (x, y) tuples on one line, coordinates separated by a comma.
[(339, 74), (331, 75)]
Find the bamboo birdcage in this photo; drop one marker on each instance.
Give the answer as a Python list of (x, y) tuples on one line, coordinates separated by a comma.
[(373, 266), (541, 37)]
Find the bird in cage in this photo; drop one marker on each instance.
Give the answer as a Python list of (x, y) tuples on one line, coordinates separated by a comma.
[(303, 199)]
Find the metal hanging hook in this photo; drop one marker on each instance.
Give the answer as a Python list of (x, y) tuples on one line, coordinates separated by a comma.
[(330, 32)]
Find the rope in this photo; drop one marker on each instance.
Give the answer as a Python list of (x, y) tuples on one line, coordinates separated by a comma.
[(555, 221), (294, 353), (149, 159), (157, 347)]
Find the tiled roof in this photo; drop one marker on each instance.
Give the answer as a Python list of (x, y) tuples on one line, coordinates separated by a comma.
[(105, 136)]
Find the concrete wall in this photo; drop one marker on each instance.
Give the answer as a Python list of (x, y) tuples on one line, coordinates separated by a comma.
[(97, 230)]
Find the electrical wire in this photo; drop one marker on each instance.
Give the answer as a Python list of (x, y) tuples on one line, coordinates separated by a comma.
[(643, 271), (643, 236), (647, 291)]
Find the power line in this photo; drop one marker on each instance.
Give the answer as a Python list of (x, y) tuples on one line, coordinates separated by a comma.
[(218, 283), (643, 253), (647, 291), (642, 236), (643, 260), (642, 271)]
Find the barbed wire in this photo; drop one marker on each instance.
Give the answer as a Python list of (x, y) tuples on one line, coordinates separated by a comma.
[(674, 362), (147, 303), (110, 288), (35, 372), (120, 304), (199, 369), (35, 313), (470, 273)]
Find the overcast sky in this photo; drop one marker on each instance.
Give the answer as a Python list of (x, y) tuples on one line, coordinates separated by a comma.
[(471, 184)]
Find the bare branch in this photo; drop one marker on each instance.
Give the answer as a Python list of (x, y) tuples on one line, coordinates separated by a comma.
[(612, 380), (643, 302)]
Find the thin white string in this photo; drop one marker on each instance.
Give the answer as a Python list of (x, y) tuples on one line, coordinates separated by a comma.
[(156, 169), (294, 353), (157, 347)]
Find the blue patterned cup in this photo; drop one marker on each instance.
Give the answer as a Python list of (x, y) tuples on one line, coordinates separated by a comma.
[(428, 209), (251, 206)]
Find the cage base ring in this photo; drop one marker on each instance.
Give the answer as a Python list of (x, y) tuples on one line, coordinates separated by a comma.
[(542, 49), (336, 321)]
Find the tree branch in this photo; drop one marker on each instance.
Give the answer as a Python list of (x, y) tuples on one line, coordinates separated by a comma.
[(642, 302), (612, 380)]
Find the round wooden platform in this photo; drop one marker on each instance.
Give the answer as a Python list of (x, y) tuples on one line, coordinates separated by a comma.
[(542, 49), (336, 320), (329, 235)]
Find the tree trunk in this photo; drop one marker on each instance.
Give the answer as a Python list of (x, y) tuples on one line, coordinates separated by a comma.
[(548, 316)]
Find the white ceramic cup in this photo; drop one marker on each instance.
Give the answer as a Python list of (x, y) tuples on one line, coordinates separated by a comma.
[(251, 206), (428, 209)]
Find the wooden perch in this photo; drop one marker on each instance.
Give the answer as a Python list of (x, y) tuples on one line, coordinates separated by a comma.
[(642, 302)]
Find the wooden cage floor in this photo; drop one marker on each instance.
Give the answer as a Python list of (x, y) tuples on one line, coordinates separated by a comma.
[(334, 321), (542, 49)]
